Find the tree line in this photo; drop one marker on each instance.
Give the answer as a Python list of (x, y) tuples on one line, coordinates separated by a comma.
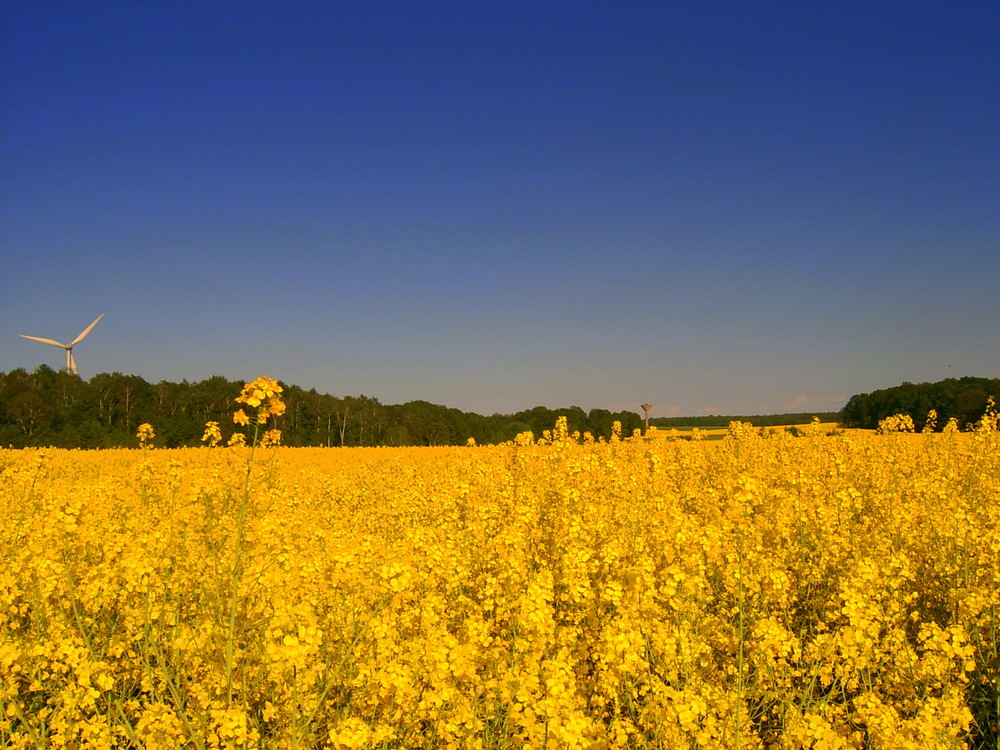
[(54, 408), (965, 399)]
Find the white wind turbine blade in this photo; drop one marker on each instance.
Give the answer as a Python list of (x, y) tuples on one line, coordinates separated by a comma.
[(71, 363), (86, 330), (44, 341)]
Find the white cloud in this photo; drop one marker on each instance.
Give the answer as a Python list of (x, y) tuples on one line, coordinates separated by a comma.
[(798, 401)]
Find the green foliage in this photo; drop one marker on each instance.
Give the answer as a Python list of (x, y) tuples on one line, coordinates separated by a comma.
[(47, 407), (963, 399)]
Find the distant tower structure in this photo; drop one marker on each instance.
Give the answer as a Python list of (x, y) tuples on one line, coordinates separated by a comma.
[(646, 408), (70, 362)]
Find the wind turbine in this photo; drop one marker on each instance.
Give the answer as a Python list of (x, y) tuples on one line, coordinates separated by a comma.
[(70, 362)]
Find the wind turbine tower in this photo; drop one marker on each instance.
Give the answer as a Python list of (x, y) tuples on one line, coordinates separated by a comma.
[(70, 362), (646, 408)]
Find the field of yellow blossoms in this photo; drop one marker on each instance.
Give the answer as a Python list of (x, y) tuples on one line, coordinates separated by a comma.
[(759, 591)]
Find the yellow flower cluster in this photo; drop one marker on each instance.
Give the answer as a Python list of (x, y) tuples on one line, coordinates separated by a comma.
[(213, 435), (145, 433), (834, 592), (895, 423), (264, 395)]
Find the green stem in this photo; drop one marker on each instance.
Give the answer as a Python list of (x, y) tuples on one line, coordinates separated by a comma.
[(237, 571)]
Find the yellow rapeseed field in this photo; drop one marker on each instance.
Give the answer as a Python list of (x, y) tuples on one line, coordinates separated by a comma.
[(751, 592)]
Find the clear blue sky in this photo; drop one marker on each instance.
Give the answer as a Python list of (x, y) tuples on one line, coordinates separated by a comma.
[(743, 207)]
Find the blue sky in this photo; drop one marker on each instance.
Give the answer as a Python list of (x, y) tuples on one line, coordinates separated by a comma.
[(711, 207)]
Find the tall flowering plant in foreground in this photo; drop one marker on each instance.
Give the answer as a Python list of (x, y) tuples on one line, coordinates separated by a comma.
[(213, 435), (264, 396), (145, 433)]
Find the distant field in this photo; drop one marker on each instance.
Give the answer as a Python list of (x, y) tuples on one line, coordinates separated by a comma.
[(686, 432), (722, 421)]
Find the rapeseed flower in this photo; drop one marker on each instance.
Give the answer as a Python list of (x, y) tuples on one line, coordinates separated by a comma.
[(836, 591), (145, 433), (213, 435), (262, 390)]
